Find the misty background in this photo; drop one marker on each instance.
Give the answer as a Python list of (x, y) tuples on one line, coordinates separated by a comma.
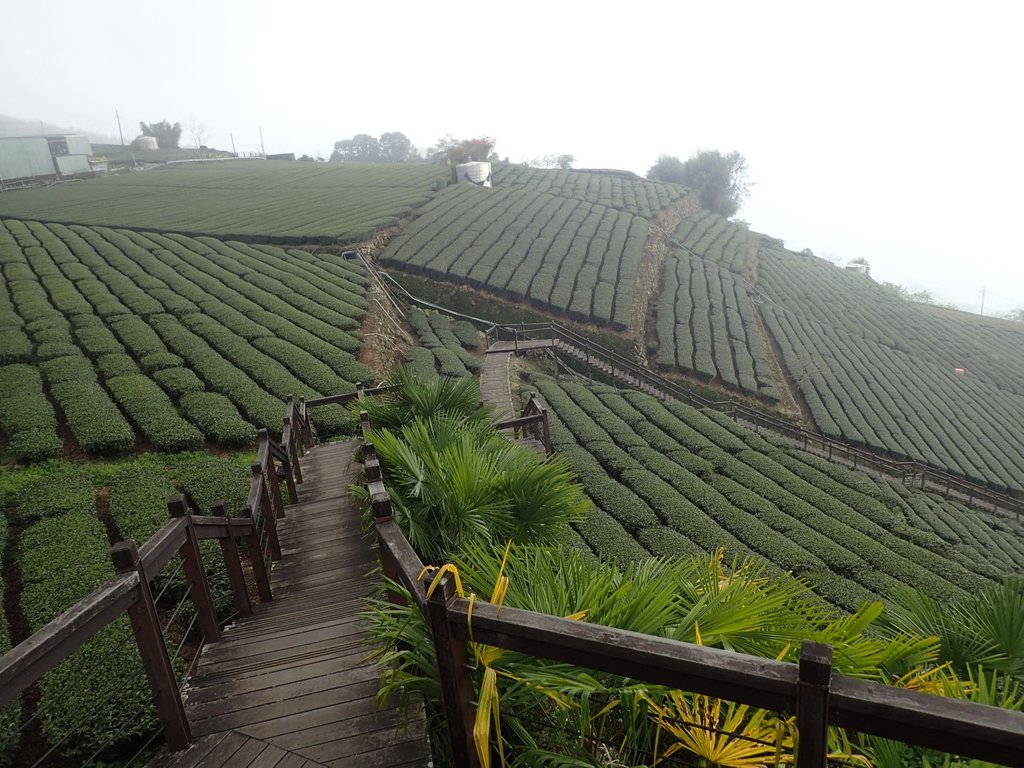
[(888, 132)]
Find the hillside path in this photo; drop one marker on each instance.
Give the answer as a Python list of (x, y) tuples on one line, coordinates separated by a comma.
[(494, 384), (292, 684)]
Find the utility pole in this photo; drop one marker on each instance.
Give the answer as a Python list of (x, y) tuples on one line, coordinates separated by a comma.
[(119, 131), (233, 150), (263, 149), (983, 300)]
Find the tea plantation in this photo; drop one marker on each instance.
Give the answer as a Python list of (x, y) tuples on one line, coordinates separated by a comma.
[(258, 201), (165, 340), (668, 479)]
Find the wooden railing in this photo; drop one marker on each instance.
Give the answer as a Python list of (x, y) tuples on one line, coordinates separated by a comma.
[(809, 690), (533, 422), (129, 591), (910, 473)]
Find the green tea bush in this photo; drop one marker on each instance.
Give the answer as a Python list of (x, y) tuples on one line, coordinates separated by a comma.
[(178, 381), (154, 414), (207, 480), (26, 416), (75, 367), (217, 418), (95, 421), (116, 364)]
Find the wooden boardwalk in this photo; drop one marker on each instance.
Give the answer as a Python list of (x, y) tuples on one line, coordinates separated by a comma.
[(494, 386), (291, 686)]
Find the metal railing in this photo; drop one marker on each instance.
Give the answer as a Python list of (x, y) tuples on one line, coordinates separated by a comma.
[(910, 473)]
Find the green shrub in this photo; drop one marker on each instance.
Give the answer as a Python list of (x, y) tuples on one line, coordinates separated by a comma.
[(207, 480), (178, 381), (68, 368), (69, 490), (157, 361), (217, 418), (95, 421), (14, 345), (152, 411), (116, 364)]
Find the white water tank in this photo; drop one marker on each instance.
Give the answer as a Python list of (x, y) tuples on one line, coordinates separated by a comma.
[(474, 173)]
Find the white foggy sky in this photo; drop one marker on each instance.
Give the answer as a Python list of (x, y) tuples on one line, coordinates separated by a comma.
[(888, 130)]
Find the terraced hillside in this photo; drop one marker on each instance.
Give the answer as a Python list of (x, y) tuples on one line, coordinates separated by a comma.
[(879, 371), (705, 321), (667, 479), (566, 241), (255, 200), (914, 381), (124, 337)]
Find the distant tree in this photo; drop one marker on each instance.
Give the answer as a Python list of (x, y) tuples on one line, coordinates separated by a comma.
[(1017, 315), (562, 162), (807, 252), (361, 148), (720, 180), (167, 136), (395, 147), (452, 151), (921, 297), (198, 131)]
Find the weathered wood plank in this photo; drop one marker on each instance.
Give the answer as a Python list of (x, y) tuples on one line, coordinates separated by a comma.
[(295, 675)]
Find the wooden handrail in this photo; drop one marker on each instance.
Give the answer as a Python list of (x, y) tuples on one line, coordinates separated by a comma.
[(29, 660), (23, 665), (350, 396), (162, 546), (808, 689)]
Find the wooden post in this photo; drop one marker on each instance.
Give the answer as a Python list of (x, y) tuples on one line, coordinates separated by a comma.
[(192, 560), (293, 454), (382, 514), (289, 479), (157, 664), (307, 433), (812, 702), (456, 686), (233, 565), (267, 514), (547, 432), (271, 470), (259, 567)]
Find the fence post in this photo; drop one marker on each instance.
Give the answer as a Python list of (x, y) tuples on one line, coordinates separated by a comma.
[(271, 469), (293, 454), (195, 572), (267, 513), (307, 433), (259, 566), (812, 702), (456, 686), (155, 661), (547, 432), (233, 564)]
